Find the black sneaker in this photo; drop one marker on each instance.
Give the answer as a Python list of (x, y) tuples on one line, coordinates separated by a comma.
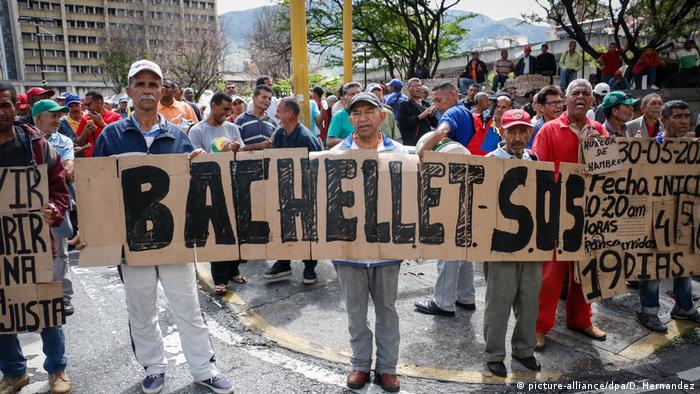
[(310, 277), (693, 316), (68, 308), (217, 384), (497, 368), (651, 322), (153, 384), (278, 271), (529, 363)]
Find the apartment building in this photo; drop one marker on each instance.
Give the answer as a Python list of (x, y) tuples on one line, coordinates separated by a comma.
[(74, 34)]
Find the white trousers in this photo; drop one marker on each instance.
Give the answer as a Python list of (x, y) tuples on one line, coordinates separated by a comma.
[(180, 287)]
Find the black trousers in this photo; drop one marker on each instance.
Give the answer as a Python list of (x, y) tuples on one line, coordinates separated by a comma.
[(223, 271)]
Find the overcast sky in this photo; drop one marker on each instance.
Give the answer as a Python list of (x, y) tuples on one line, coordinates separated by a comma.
[(494, 9)]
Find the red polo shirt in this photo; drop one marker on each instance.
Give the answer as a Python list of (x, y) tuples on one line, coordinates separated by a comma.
[(557, 142), (107, 117)]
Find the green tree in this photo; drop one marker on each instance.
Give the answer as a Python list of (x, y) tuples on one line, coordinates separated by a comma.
[(396, 33), (120, 52), (635, 24)]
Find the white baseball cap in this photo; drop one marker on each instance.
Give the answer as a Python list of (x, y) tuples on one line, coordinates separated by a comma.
[(601, 89), (145, 65)]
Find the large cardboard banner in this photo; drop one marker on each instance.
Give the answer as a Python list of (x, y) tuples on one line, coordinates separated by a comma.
[(29, 301), (640, 220), (289, 204)]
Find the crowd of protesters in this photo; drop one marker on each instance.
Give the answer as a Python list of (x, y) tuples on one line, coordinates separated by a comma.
[(158, 116)]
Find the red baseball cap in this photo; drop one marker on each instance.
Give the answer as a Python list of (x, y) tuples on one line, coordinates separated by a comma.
[(22, 101), (515, 117), (527, 48), (37, 92)]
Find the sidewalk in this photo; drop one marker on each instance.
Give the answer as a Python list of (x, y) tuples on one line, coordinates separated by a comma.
[(312, 320)]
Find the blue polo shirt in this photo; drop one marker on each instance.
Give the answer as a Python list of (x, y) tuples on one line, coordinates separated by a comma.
[(461, 124), (300, 137), (255, 130)]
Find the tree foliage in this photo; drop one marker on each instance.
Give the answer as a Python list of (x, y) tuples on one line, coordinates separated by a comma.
[(268, 42), (121, 50), (635, 24), (196, 64), (395, 33)]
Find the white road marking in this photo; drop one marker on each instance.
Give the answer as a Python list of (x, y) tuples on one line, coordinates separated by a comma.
[(690, 375), (310, 371)]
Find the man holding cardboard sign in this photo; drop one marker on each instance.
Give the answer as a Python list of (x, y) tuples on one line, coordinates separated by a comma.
[(376, 278), (560, 141), (24, 145), (512, 284), (147, 132), (675, 116)]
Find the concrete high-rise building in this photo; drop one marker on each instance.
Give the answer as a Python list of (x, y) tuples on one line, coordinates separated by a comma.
[(74, 34)]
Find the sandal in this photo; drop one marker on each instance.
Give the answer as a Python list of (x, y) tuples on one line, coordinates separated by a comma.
[(220, 289), (240, 279)]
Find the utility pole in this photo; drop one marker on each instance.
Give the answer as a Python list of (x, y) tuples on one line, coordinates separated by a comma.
[(347, 41), (300, 61), (36, 21)]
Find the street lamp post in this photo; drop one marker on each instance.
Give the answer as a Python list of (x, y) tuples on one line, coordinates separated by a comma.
[(35, 20)]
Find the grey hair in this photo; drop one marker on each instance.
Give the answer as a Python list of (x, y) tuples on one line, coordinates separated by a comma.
[(426, 90), (412, 80), (649, 97), (577, 82), (188, 90), (480, 96)]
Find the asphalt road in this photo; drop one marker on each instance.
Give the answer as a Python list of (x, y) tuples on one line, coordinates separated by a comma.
[(101, 360)]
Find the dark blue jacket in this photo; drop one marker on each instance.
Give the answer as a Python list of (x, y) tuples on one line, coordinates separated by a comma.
[(124, 136)]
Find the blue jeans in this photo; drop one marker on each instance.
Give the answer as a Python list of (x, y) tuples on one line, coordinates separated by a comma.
[(565, 78), (649, 295), (464, 84), (498, 80), (651, 78), (13, 363)]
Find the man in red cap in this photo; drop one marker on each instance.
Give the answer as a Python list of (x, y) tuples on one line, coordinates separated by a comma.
[(34, 95), (527, 64), (22, 105), (512, 284)]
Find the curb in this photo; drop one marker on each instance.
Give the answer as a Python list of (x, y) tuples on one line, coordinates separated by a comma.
[(637, 351)]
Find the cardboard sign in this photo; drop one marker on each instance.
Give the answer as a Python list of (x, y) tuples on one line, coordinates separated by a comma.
[(27, 308), (25, 240), (29, 301), (632, 216), (601, 155), (357, 204)]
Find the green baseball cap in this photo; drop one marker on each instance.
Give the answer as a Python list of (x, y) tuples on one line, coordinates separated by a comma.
[(47, 106), (617, 98)]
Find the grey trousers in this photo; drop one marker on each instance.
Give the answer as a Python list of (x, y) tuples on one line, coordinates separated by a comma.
[(357, 285), (455, 282), (61, 271), (516, 285)]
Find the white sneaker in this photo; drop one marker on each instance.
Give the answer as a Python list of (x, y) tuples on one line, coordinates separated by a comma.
[(654, 87)]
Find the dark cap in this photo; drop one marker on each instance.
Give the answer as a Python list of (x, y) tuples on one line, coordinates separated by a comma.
[(364, 98)]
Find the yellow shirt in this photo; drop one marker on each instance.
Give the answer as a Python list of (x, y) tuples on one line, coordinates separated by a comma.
[(73, 123), (176, 112)]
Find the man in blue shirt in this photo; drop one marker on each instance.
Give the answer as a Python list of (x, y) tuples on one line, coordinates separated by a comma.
[(147, 132), (455, 282), (47, 118), (256, 126), (292, 134)]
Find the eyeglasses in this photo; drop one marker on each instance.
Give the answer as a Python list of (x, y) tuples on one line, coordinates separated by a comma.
[(555, 102)]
